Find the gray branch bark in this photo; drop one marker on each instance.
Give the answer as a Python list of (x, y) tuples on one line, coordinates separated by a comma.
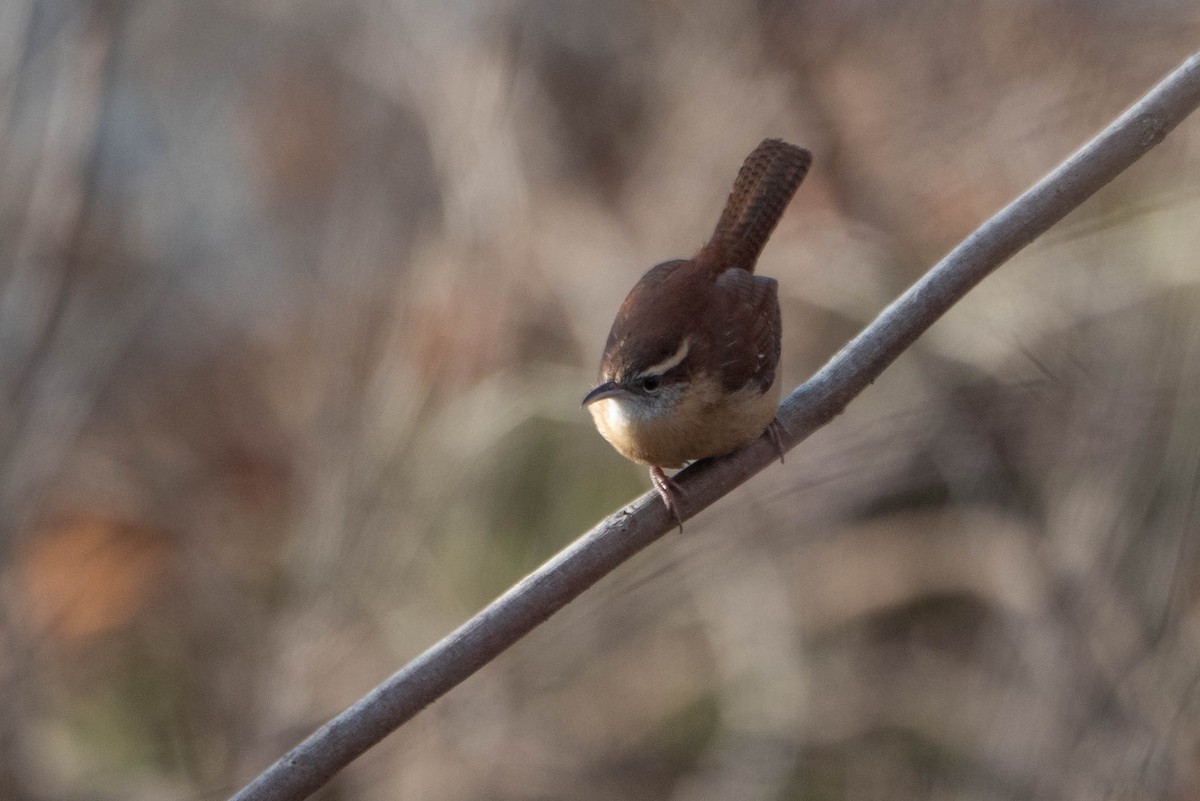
[(315, 761)]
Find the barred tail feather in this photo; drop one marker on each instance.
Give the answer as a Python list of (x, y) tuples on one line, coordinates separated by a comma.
[(764, 187)]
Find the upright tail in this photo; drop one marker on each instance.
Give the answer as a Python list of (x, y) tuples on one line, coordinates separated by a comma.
[(764, 186)]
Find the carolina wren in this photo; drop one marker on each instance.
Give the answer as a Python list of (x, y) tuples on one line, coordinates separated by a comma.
[(689, 368)]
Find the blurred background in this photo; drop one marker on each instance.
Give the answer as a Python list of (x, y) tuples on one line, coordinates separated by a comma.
[(297, 304)]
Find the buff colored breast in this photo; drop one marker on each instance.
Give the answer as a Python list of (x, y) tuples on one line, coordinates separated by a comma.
[(705, 421)]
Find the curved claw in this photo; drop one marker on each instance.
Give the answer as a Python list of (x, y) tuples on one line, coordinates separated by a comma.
[(775, 431), (669, 491)]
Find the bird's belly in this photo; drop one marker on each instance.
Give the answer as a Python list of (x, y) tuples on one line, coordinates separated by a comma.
[(706, 421)]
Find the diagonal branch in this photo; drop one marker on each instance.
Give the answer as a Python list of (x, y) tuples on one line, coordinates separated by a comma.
[(315, 761)]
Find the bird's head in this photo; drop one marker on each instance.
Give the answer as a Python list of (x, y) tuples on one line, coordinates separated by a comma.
[(639, 379)]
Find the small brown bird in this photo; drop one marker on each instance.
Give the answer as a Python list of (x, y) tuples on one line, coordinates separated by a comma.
[(689, 368)]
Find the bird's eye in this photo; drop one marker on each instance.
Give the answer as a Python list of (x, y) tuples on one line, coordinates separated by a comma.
[(651, 383)]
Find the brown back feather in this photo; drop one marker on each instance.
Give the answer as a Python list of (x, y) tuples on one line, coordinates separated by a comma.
[(741, 310)]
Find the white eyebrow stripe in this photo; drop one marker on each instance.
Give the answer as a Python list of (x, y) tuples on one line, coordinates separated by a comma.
[(670, 361)]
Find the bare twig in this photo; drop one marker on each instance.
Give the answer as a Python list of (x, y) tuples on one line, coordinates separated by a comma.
[(312, 763)]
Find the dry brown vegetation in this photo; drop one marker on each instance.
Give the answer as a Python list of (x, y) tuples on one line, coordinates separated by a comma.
[(297, 302)]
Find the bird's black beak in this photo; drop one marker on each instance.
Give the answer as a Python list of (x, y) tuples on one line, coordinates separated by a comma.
[(608, 389)]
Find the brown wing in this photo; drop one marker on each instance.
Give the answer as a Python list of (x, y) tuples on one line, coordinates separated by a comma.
[(747, 333), (764, 187)]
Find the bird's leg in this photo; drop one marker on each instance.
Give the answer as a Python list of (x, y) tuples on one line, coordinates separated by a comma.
[(669, 491), (775, 431)]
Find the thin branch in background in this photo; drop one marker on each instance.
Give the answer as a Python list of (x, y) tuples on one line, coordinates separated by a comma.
[(315, 761)]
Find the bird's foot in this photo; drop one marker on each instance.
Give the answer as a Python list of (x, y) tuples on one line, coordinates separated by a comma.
[(669, 491), (775, 432)]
